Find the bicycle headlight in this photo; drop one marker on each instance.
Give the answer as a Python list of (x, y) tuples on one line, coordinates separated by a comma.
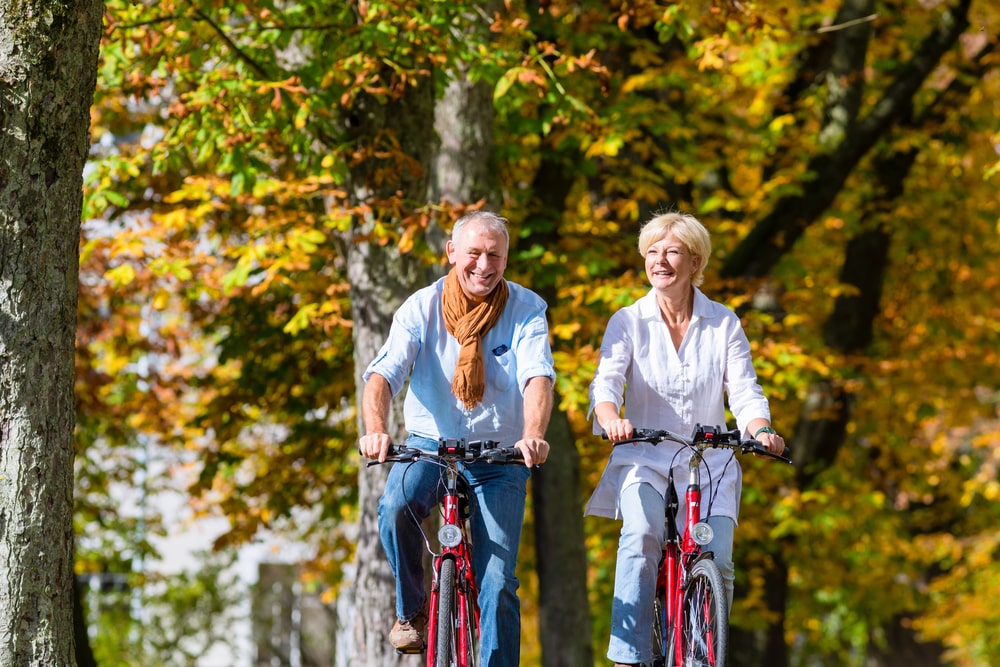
[(449, 535), (702, 533)]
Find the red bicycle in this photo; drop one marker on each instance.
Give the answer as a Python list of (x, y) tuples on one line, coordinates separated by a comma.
[(691, 609), (453, 613)]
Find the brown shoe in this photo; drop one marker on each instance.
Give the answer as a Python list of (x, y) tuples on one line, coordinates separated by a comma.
[(408, 636)]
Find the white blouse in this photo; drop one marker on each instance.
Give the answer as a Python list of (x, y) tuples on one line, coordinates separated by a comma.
[(666, 388)]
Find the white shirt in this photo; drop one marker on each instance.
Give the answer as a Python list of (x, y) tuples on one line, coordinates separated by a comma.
[(420, 349), (667, 388)]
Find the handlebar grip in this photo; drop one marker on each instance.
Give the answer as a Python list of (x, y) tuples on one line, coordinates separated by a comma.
[(649, 435), (397, 453), (502, 455), (755, 447)]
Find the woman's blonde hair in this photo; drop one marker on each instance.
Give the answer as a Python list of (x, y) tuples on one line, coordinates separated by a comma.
[(688, 230)]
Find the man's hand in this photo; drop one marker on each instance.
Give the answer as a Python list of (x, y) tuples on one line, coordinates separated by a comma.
[(535, 450), (375, 445), (374, 411)]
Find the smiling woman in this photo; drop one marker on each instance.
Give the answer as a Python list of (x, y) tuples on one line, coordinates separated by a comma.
[(673, 385), (676, 248)]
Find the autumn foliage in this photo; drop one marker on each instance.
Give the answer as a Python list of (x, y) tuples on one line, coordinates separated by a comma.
[(844, 156)]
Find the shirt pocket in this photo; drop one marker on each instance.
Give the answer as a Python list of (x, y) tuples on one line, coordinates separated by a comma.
[(501, 368)]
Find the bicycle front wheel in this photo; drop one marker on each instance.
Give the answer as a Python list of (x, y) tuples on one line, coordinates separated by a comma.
[(456, 643), (705, 618), (444, 654)]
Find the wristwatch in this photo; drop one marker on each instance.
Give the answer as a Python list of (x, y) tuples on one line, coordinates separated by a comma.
[(764, 429)]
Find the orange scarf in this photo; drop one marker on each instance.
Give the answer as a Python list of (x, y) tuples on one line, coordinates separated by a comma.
[(469, 326)]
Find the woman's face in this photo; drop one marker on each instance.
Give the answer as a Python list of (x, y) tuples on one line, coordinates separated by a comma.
[(670, 265)]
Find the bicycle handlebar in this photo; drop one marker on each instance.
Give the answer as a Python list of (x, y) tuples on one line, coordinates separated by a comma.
[(451, 450), (704, 437)]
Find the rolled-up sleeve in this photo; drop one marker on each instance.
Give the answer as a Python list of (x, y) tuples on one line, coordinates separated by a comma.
[(534, 352), (395, 359)]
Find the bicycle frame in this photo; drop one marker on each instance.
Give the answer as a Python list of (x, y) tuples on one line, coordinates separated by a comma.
[(680, 555), (465, 584)]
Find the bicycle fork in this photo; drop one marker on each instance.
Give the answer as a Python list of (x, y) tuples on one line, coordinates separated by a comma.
[(454, 548)]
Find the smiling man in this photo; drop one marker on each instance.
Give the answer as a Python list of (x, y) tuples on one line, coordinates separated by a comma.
[(475, 348)]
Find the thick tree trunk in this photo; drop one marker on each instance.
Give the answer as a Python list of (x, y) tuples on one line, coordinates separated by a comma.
[(48, 66), (560, 542), (381, 277), (821, 429), (380, 280), (564, 616)]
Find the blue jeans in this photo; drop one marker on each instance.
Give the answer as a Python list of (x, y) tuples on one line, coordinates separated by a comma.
[(498, 492), (639, 550)]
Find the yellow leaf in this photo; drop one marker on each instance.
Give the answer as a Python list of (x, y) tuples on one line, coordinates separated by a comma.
[(123, 274)]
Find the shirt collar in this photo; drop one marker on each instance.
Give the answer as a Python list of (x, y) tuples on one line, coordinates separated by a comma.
[(702, 305)]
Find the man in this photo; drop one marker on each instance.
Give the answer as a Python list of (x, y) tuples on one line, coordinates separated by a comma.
[(475, 348)]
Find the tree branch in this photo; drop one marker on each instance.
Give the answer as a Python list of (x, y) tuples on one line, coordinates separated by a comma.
[(240, 53), (777, 232)]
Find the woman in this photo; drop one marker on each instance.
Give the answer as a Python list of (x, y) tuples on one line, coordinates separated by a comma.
[(669, 357)]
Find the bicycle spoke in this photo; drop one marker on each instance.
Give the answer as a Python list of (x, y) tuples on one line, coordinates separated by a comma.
[(706, 626)]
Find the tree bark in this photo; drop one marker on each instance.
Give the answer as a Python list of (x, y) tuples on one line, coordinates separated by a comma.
[(48, 69), (456, 159), (381, 277), (560, 541), (564, 611)]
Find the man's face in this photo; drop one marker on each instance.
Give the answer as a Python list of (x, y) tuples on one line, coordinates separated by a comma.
[(479, 256)]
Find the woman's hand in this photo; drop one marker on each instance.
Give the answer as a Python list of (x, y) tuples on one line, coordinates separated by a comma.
[(618, 429), (773, 442)]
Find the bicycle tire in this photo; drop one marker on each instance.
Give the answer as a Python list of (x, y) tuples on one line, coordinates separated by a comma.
[(705, 621), (444, 655)]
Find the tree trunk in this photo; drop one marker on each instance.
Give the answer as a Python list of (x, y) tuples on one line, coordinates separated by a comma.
[(564, 611), (560, 542), (821, 429), (381, 277), (48, 68), (456, 155)]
